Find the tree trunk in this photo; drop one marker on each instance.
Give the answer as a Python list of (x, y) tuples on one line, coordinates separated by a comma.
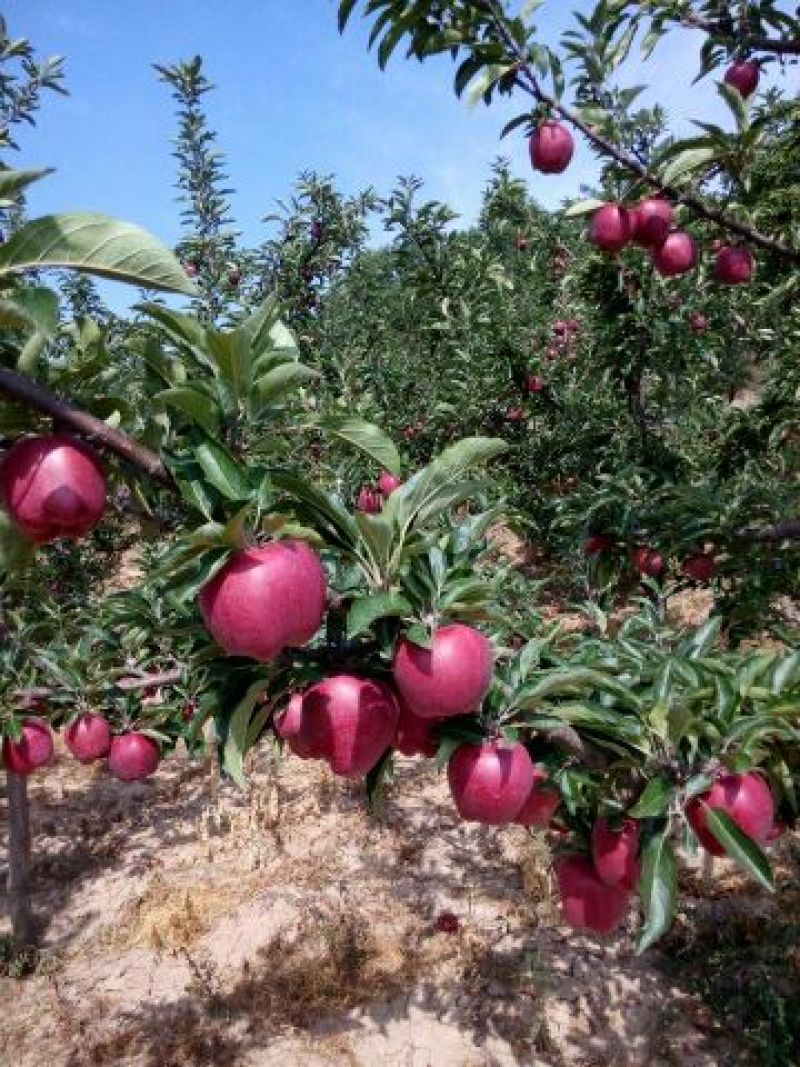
[(23, 927)]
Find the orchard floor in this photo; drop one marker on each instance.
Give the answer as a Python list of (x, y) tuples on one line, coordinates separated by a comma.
[(287, 927)]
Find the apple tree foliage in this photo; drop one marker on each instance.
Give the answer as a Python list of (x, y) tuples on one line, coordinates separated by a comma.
[(306, 366)]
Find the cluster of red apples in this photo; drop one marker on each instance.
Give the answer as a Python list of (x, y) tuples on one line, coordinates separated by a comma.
[(650, 563), (648, 224), (370, 498)]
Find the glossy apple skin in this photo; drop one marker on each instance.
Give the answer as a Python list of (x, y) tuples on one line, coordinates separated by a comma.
[(133, 757), (611, 228), (265, 599), (490, 781), (289, 727), (748, 801), (743, 76), (414, 736), (615, 852), (88, 738), (699, 568), (677, 255), (450, 678), (53, 488), (387, 483), (734, 265), (542, 803), (587, 903), (652, 222), (551, 148), (33, 750), (350, 722), (648, 562)]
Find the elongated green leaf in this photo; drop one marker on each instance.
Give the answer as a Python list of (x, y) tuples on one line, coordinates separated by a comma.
[(654, 800), (95, 244), (376, 781), (691, 160), (658, 887), (367, 610), (222, 470), (235, 747), (31, 307), (198, 405), (740, 847), (282, 380), (14, 181), (312, 505), (582, 207), (366, 437)]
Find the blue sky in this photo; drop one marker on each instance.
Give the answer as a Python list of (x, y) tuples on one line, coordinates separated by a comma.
[(292, 95)]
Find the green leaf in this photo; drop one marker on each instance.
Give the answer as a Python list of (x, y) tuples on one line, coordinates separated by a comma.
[(196, 404), (366, 437), (691, 160), (376, 780), (654, 801), (30, 308), (282, 379), (740, 847), (95, 244), (14, 181), (367, 610), (582, 207), (658, 888), (222, 470), (235, 746)]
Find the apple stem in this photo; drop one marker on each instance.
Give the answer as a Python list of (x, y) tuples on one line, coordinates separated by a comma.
[(23, 926)]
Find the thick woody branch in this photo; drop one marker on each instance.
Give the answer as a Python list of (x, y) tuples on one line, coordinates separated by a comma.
[(99, 433), (788, 530), (777, 45)]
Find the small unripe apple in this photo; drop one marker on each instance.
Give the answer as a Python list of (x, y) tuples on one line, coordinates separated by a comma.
[(450, 678), (743, 75), (677, 255), (700, 568), (133, 757), (88, 737), (611, 228), (490, 781), (652, 222), (387, 483), (551, 147), (746, 798), (734, 265), (648, 562), (53, 487), (542, 803), (33, 749), (587, 903), (615, 852)]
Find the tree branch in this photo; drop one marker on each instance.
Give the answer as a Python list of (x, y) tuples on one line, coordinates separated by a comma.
[(788, 530), (98, 432), (778, 45), (529, 83)]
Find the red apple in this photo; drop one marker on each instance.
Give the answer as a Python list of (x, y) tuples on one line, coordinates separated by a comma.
[(611, 228), (596, 543), (677, 255), (747, 800), (552, 351), (542, 803), (515, 415), (522, 244), (699, 322), (743, 75), (265, 599), (534, 383), (191, 269), (573, 326), (587, 903), (414, 735), (53, 487), (450, 678), (88, 737), (349, 721), (652, 222), (560, 328), (700, 568), (369, 501), (490, 781), (734, 265), (133, 757), (32, 750), (615, 852), (289, 726), (648, 562), (551, 147), (387, 483)]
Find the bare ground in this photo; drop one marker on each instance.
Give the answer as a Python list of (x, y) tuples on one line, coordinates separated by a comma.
[(197, 925)]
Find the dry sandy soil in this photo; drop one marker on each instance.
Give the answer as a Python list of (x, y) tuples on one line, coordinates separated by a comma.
[(286, 926)]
